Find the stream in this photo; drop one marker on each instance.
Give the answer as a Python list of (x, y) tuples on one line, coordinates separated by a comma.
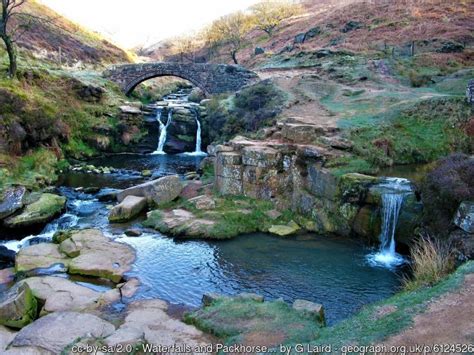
[(320, 268)]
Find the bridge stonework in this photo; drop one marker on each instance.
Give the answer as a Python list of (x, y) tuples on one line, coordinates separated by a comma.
[(211, 78)]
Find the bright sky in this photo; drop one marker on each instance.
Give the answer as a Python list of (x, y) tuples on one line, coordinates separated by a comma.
[(131, 23)]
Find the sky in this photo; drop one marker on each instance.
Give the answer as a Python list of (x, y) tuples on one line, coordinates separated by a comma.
[(131, 23)]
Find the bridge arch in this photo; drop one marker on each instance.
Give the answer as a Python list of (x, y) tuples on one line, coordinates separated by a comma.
[(211, 78)]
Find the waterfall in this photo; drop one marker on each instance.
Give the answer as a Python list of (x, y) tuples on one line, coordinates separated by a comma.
[(163, 128), (393, 192), (197, 150)]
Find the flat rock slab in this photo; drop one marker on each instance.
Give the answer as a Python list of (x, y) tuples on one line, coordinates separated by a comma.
[(147, 320), (97, 255), (285, 230), (57, 330), (39, 256), (60, 294), (100, 256), (180, 222)]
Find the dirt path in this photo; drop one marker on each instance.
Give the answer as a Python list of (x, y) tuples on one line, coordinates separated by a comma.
[(448, 320)]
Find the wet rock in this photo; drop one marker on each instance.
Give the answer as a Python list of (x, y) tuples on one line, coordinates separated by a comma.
[(129, 288), (210, 297), (464, 217), (203, 202), (107, 195), (61, 236), (148, 321), (128, 209), (69, 325), (40, 256), (60, 294), (147, 173), (39, 212), (11, 201), (7, 256), (158, 191), (311, 308), (133, 232), (17, 307), (285, 230), (7, 275)]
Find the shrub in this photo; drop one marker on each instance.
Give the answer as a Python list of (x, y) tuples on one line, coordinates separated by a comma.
[(251, 109), (418, 80), (431, 260), (445, 188)]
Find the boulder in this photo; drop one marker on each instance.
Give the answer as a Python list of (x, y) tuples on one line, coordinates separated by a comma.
[(57, 330), (133, 232), (311, 308), (259, 50), (46, 208), (158, 191), (203, 202), (464, 217), (17, 306), (91, 254), (260, 156), (128, 209), (39, 256), (6, 336), (60, 294), (7, 256), (191, 189), (285, 230), (130, 110), (11, 201)]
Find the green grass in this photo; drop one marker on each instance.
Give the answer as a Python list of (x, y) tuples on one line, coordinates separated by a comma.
[(233, 319), (367, 327)]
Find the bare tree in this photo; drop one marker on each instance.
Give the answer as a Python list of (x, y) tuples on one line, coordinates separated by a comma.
[(9, 9), (269, 14), (231, 30)]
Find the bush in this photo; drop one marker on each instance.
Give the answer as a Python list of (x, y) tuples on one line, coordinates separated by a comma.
[(251, 109), (431, 260), (418, 80), (445, 188)]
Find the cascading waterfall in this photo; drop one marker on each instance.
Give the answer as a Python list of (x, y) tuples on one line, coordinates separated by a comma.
[(393, 191), (163, 129), (197, 151)]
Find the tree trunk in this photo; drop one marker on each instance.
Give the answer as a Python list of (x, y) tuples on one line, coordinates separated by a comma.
[(11, 55), (234, 57)]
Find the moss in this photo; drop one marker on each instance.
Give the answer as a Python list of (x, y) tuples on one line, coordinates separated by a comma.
[(234, 319)]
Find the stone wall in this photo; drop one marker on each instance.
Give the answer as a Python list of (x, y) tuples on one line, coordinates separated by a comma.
[(211, 78), (293, 176)]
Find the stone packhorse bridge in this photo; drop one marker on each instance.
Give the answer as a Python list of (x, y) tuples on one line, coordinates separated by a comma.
[(211, 78)]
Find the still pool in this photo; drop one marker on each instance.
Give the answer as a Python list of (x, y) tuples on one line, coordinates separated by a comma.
[(323, 269)]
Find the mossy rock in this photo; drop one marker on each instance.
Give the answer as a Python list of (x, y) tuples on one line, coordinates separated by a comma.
[(39, 212), (61, 236), (353, 187), (18, 307)]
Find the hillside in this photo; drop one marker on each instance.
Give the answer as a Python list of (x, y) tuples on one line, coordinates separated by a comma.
[(51, 36), (359, 26)]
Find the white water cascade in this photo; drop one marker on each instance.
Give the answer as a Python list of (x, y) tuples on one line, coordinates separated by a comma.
[(197, 151), (163, 129), (393, 192)]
